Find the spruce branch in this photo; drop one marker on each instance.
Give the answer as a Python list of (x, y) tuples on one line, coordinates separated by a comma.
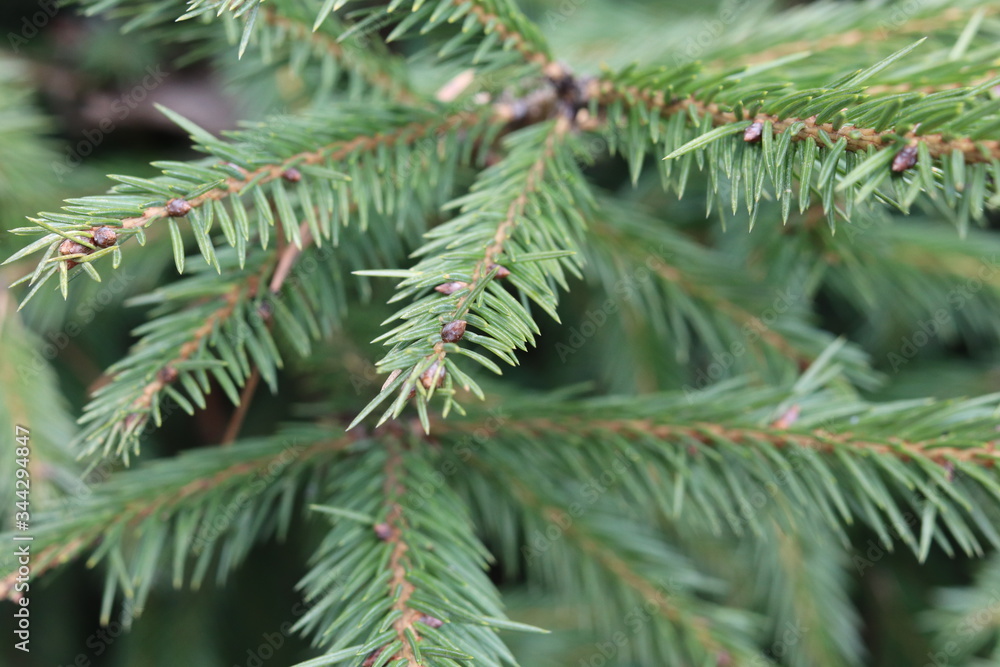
[(381, 69), (209, 329), (524, 209), (964, 619), (30, 399), (399, 585), (600, 554), (122, 407), (935, 18), (855, 139), (809, 591), (836, 140), (500, 21), (884, 464), (663, 281), (933, 450), (397, 574), (257, 167), (135, 517)]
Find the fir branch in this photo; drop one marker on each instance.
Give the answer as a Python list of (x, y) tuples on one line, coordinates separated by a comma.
[(856, 139), (399, 586), (910, 87), (538, 182), (964, 619), (487, 12), (935, 450), (501, 21), (835, 140), (333, 152), (399, 575), (130, 503), (257, 160), (487, 269), (916, 272), (627, 553), (30, 400), (381, 72), (809, 591), (722, 318), (942, 17), (120, 409), (878, 462), (714, 642), (286, 261), (673, 273)]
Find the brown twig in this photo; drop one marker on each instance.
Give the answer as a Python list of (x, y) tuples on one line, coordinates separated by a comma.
[(858, 139), (399, 586), (398, 88), (246, 396), (335, 151), (59, 553), (508, 34), (986, 455), (484, 267), (286, 261)]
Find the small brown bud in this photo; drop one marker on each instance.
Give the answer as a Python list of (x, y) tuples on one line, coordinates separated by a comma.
[(134, 420), (430, 621), (433, 376), (292, 175), (904, 159), (167, 375), (372, 657), (452, 287), (789, 417), (104, 237), (383, 531), (178, 208), (502, 271), (754, 133), (265, 310), (68, 247), (453, 331)]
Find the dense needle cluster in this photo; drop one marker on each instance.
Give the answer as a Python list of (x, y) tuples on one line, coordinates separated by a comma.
[(706, 467)]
